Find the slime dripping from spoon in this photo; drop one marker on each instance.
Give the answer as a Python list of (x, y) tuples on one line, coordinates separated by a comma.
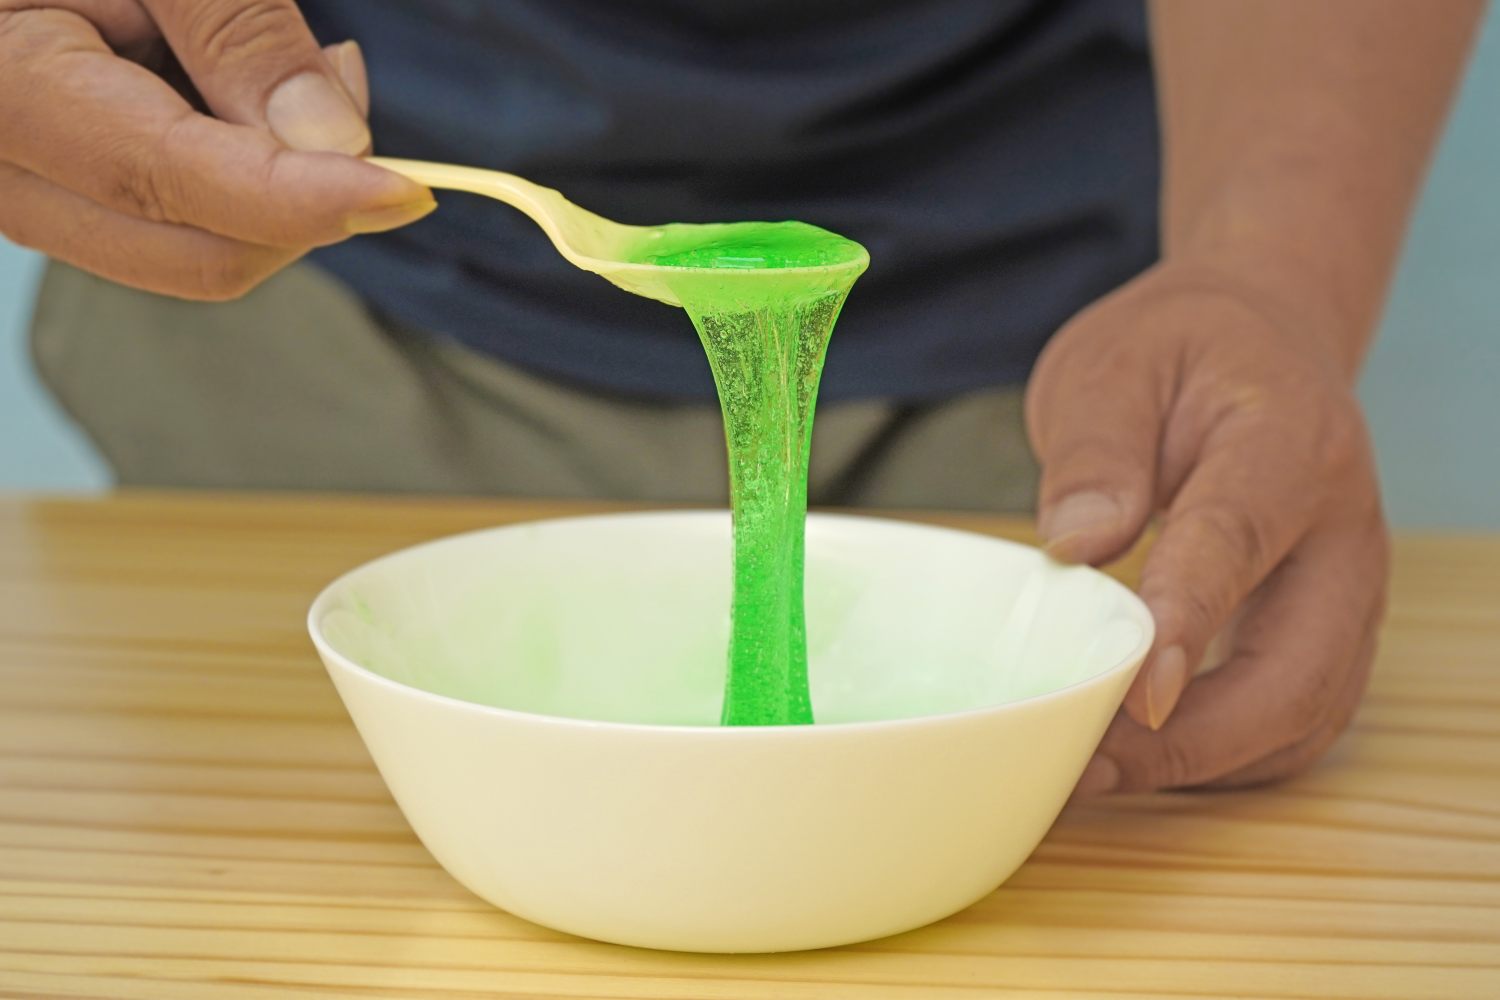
[(763, 297)]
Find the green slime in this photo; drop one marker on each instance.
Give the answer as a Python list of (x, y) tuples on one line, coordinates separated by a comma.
[(763, 298)]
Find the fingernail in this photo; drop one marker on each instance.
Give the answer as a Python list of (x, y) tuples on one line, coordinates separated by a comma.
[(378, 220), (1164, 685), (1075, 515), (308, 112), (1100, 777), (348, 61)]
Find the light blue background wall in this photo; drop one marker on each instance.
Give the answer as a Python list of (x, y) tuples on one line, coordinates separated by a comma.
[(1431, 384), (39, 450)]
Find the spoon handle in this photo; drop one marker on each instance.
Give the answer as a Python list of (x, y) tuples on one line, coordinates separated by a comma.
[(528, 197), (586, 240)]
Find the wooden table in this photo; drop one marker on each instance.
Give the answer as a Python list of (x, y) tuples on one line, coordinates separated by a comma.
[(186, 811)]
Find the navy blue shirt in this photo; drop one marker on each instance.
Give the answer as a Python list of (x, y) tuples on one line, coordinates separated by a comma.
[(997, 157)]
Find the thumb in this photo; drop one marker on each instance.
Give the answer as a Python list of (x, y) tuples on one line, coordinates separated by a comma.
[(348, 61), (1095, 431), (256, 63)]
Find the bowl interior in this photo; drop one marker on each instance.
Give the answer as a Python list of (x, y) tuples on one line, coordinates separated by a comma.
[(624, 618)]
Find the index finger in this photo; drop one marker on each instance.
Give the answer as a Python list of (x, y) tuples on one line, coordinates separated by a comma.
[(114, 132), (1240, 511), (1299, 663)]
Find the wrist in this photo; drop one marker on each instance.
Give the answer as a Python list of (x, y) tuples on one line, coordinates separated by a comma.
[(1291, 298)]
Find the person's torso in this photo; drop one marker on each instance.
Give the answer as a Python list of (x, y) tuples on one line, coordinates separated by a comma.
[(997, 157)]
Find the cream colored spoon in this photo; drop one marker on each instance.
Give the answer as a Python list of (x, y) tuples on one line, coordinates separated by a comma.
[(615, 251)]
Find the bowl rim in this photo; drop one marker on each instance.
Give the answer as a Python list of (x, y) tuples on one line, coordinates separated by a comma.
[(331, 656)]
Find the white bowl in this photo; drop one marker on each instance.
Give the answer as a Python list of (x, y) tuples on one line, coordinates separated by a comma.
[(542, 701)]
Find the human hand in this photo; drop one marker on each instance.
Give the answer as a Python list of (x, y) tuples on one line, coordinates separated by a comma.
[(105, 165), (1189, 393)]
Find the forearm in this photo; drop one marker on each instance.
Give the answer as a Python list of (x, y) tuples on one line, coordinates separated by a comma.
[(1295, 135)]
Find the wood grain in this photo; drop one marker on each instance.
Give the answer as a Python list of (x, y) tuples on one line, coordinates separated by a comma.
[(186, 811)]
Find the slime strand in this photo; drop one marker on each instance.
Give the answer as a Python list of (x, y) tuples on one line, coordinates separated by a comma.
[(766, 334)]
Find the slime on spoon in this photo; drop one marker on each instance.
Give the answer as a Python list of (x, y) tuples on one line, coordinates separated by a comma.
[(749, 246), (763, 298)]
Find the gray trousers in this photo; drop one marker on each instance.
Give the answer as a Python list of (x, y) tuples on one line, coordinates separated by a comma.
[(299, 386)]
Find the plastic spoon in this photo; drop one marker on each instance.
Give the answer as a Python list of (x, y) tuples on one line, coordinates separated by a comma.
[(613, 250)]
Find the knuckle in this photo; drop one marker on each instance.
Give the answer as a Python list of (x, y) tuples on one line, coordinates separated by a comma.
[(1176, 766), (15, 19), (223, 277), (217, 31), (1152, 762), (1236, 531), (133, 188), (1201, 612), (146, 179), (1342, 442), (1313, 702), (1216, 552), (31, 35), (1072, 370), (139, 180), (1111, 467), (279, 225)]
